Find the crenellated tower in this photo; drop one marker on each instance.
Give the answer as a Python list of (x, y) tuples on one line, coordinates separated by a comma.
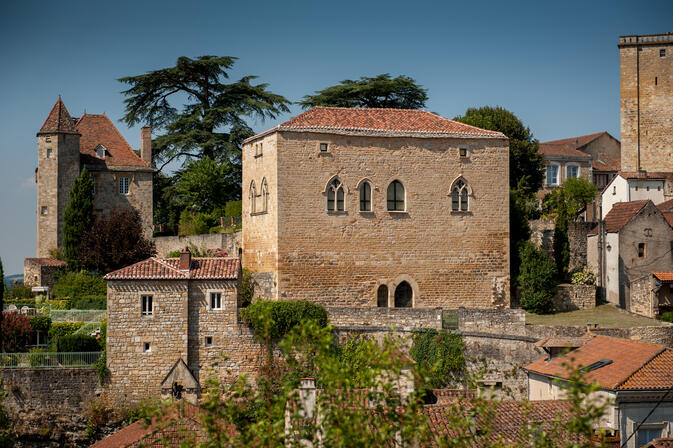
[(58, 165)]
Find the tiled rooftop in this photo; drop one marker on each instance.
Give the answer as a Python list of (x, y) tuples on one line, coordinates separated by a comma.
[(167, 269), (664, 276), (621, 213), (656, 374), (58, 120), (99, 130)]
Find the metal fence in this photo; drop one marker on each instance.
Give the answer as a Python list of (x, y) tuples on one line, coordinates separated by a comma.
[(77, 315), (38, 359)]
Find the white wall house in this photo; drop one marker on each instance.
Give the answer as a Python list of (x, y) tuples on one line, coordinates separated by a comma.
[(626, 188)]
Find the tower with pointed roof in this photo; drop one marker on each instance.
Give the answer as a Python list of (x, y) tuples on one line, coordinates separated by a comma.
[(58, 166), (122, 178)]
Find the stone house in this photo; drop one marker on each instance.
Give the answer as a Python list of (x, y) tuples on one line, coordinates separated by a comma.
[(652, 294), (634, 375), (42, 272), (169, 320), (378, 207), (65, 145), (638, 238)]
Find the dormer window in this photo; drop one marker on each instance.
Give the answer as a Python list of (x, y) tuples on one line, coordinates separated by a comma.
[(100, 151)]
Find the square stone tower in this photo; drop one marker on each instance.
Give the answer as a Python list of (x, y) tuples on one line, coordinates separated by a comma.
[(58, 164), (646, 102)]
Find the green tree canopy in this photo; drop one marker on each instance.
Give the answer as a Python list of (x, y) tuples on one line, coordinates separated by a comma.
[(78, 216), (525, 162), (202, 115), (205, 184), (381, 91)]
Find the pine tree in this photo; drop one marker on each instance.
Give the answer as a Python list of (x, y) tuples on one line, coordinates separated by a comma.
[(78, 216)]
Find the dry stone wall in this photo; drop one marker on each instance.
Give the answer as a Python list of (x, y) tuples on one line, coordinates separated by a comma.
[(542, 235), (402, 319), (574, 297), (229, 242), (577, 237)]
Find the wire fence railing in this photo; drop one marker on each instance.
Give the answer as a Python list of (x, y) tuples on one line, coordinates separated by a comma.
[(48, 360), (77, 315)]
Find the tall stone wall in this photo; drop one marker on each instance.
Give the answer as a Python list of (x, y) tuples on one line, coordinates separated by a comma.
[(577, 237), (404, 319), (642, 297), (229, 242), (50, 405), (574, 297), (542, 234)]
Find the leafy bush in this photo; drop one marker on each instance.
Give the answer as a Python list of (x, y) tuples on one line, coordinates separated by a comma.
[(103, 334), (92, 302), (60, 329), (101, 367), (40, 323), (274, 319), (234, 208), (16, 332), (80, 284), (76, 343), (59, 304), (195, 223), (439, 355), (583, 277), (247, 289), (667, 316), (20, 291), (34, 359), (537, 279)]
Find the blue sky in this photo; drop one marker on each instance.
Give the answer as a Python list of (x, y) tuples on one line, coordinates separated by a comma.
[(553, 63)]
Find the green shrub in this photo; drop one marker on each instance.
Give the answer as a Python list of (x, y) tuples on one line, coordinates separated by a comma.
[(60, 329), (41, 323), (247, 289), (34, 359), (439, 355), (103, 334), (583, 277), (667, 316), (59, 304), (195, 223), (19, 291), (77, 343), (234, 208), (537, 279), (80, 284), (274, 319), (89, 303), (101, 367)]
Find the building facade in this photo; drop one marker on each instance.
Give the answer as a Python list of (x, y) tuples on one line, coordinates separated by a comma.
[(378, 207), (646, 89), (122, 179)]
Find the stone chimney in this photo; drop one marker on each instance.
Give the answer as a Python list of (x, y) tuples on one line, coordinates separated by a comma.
[(307, 396), (185, 259), (146, 144)]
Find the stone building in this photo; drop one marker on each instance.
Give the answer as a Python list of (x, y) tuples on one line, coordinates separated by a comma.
[(169, 320), (646, 90), (378, 207), (42, 272), (65, 145), (652, 294)]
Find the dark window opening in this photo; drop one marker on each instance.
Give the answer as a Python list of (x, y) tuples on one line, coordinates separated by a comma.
[(323, 147), (177, 390), (209, 340), (459, 196), (662, 53), (382, 297), (396, 196), (146, 347), (147, 306), (403, 295), (641, 250), (463, 152), (656, 80), (335, 196), (215, 301), (366, 197)]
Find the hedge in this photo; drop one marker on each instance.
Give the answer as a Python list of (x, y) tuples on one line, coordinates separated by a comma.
[(61, 329), (80, 284), (274, 319), (77, 343), (91, 302), (40, 323)]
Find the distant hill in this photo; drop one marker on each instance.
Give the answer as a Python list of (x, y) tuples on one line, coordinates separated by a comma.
[(9, 279)]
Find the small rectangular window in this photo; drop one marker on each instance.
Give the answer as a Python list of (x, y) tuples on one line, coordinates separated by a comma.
[(50, 153), (209, 341), (215, 301), (323, 147), (93, 187), (147, 306), (572, 171), (641, 250), (124, 183), (146, 347), (43, 210), (662, 53), (463, 152), (656, 81)]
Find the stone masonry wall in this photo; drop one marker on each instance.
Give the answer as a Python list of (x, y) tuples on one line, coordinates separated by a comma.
[(392, 318), (36, 275), (574, 297), (450, 259), (642, 297), (542, 234), (229, 242), (647, 79), (50, 403), (577, 237)]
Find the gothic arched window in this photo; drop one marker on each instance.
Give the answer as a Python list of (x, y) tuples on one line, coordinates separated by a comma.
[(396, 196), (365, 197), (382, 296), (403, 295), (459, 196), (252, 195), (264, 192), (335, 196)]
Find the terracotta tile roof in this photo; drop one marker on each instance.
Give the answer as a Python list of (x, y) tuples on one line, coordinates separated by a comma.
[(577, 142), (666, 206), (510, 418), (606, 164), (621, 213), (378, 122), (664, 276), (58, 120), (562, 149), (660, 443), (656, 374), (627, 357), (650, 175), (167, 269), (668, 216), (99, 130), (563, 342), (47, 262)]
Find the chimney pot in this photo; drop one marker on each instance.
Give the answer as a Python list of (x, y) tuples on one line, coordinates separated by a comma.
[(185, 259), (146, 144)]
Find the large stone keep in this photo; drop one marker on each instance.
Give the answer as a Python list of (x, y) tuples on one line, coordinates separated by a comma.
[(378, 207), (65, 145)]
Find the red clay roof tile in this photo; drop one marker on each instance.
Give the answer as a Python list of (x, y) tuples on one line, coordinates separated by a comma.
[(99, 130), (379, 122), (167, 269), (656, 374), (562, 149), (627, 357), (660, 443), (606, 164), (58, 120), (621, 213), (579, 141), (664, 276)]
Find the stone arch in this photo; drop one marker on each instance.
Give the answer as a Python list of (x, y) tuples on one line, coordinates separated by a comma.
[(404, 295), (382, 296), (416, 293)]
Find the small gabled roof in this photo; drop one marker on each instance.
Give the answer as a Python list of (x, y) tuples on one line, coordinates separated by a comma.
[(570, 147), (664, 276), (579, 141), (98, 130), (625, 358), (611, 164), (621, 213), (378, 122), (167, 269), (58, 120)]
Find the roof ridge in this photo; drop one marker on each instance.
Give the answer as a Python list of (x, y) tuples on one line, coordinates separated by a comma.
[(652, 358), (164, 262)]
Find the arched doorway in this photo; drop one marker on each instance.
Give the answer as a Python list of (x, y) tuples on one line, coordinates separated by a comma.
[(403, 295), (382, 297)]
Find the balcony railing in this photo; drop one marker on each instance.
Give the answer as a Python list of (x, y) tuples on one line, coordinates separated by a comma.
[(48, 360)]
